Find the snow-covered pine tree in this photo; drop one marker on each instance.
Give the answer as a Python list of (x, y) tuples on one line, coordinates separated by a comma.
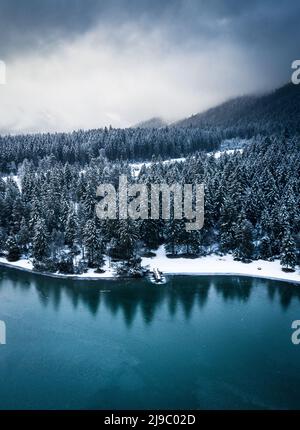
[(13, 250), (127, 237), (93, 244), (23, 237), (244, 241), (71, 229), (265, 249), (40, 241), (288, 258)]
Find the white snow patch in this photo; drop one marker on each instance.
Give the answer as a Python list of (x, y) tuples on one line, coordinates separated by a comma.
[(209, 265), (218, 154), (22, 264), (136, 167), (109, 272), (214, 264), (16, 178), (27, 264)]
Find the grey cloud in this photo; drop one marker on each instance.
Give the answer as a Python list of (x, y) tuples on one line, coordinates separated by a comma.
[(31, 23), (86, 63)]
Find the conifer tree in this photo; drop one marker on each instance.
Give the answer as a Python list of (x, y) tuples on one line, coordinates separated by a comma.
[(265, 248), (23, 235), (13, 250), (244, 240), (288, 258), (40, 240), (71, 229), (92, 242)]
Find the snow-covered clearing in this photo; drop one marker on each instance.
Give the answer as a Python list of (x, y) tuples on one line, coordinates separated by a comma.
[(27, 265), (21, 264), (16, 178), (216, 265), (136, 167), (109, 272), (218, 154)]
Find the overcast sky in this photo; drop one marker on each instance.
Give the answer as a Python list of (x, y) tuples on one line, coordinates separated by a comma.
[(88, 63)]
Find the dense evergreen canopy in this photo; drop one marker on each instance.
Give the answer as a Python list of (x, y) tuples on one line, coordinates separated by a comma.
[(252, 200)]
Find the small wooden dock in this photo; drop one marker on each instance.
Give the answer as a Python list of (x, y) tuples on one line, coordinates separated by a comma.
[(157, 276)]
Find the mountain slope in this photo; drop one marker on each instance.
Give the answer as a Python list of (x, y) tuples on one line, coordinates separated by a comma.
[(275, 111), (155, 122)]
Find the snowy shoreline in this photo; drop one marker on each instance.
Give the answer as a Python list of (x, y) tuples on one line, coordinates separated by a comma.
[(27, 266), (211, 265)]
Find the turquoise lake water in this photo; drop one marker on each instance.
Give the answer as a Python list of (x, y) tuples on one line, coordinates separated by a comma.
[(193, 343)]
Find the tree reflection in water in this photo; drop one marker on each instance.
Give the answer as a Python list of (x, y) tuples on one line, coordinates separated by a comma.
[(180, 294)]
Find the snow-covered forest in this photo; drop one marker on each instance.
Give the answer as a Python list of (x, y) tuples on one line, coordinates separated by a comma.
[(81, 147), (48, 198)]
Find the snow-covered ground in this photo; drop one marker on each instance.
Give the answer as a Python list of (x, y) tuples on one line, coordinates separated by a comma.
[(210, 265), (109, 273), (216, 265), (27, 265), (16, 178), (136, 167), (21, 264), (227, 151)]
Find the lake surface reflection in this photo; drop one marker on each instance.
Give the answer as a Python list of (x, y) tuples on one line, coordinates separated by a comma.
[(196, 342)]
